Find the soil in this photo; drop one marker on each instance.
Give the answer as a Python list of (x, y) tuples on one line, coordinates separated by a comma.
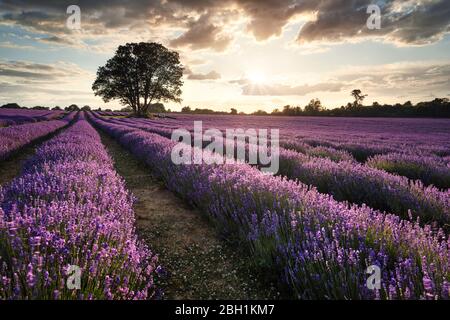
[(12, 166)]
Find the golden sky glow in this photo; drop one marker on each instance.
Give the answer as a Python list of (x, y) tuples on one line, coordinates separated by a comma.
[(244, 54)]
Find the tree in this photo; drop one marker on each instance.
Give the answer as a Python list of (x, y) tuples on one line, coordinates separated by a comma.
[(259, 113), (72, 107), (57, 108), (139, 74), (313, 107), (11, 106), (86, 108), (359, 97), (407, 104), (126, 109), (233, 111), (156, 108), (186, 109)]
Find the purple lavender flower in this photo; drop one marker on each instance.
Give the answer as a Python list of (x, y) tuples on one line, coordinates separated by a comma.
[(69, 207)]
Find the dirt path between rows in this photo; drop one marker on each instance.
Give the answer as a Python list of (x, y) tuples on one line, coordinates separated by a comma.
[(198, 263), (11, 167)]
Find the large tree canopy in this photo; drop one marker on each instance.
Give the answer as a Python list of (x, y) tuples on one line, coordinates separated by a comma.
[(140, 73)]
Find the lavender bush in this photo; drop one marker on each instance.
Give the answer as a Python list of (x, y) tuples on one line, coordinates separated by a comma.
[(362, 137), (318, 151), (69, 207), (361, 184), (16, 137), (10, 117), (428, 169)]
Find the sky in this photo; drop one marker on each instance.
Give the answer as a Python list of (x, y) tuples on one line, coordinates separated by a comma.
[(243, 54)]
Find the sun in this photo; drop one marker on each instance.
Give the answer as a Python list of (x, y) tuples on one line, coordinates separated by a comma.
[(256, 77)]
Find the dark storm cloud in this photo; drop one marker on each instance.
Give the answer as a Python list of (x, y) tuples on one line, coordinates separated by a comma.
[(205, 22)]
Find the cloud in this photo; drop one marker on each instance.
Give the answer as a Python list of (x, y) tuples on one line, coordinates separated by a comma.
[(201, 34), (25, 74), (12, 45), (25, 70), (402, 22), (268, 17), (250, 89), (408, 77), (204, 22), (212, 75), (31, 83), (57, 40)]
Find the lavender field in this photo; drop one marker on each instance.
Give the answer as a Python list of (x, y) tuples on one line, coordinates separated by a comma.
[(350, 194)]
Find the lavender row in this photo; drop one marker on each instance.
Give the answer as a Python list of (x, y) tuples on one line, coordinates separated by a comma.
[(10, 117), (320, 248), (70, 208), (319, 151), (363, 150), (16, 137), (430, 170), (360, 184), (351, 181), (112, 113)]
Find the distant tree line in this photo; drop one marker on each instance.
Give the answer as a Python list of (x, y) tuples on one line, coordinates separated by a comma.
[(72, 107), (437, 108), (188, 109), (155, 108)]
